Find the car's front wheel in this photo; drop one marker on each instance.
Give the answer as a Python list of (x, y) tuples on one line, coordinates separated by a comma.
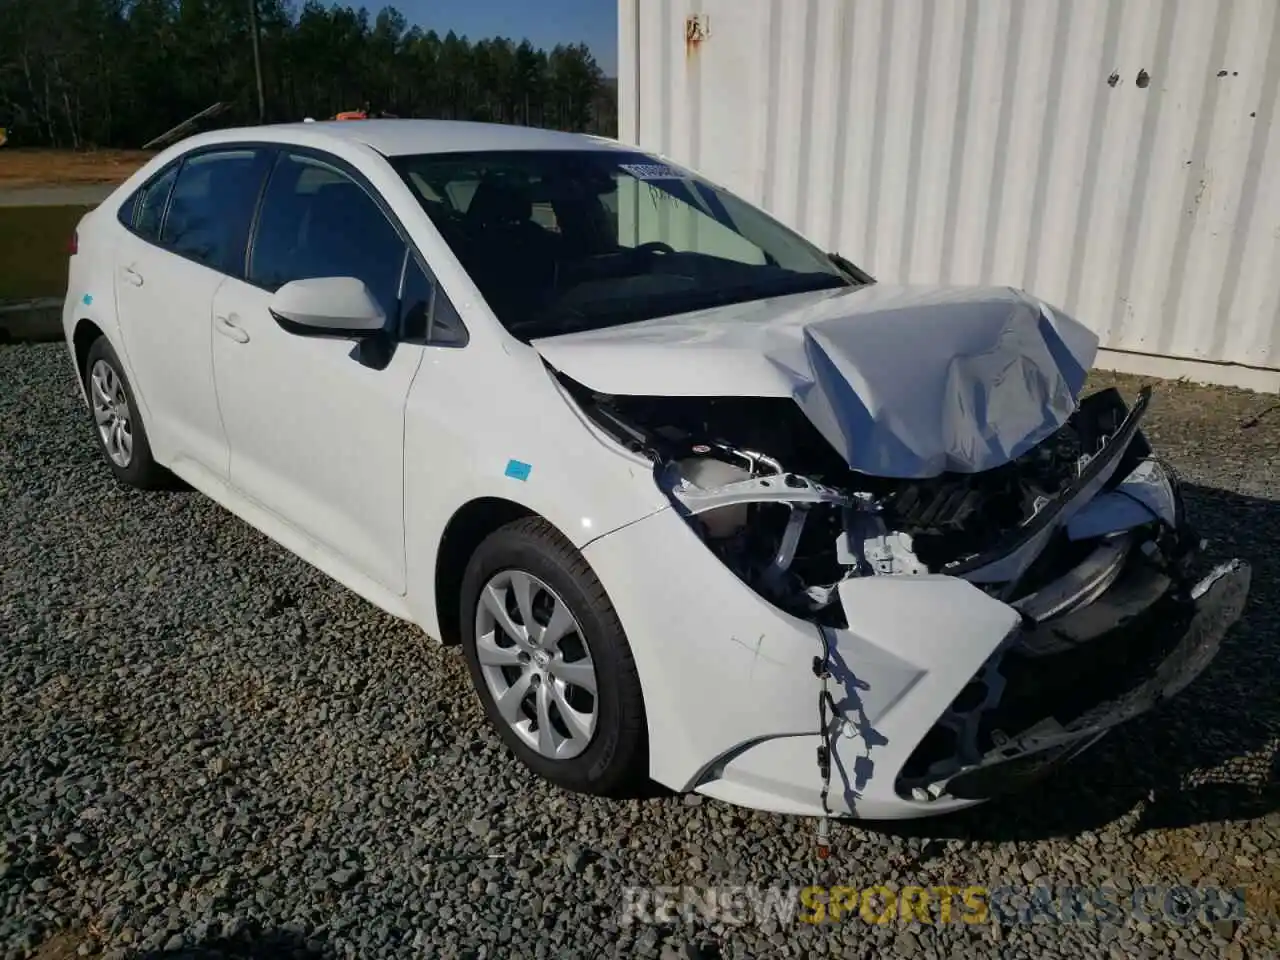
[(551, 663), (117, 421)]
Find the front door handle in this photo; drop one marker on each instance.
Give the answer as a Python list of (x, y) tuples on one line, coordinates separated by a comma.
[(228, 327), (131, 276)]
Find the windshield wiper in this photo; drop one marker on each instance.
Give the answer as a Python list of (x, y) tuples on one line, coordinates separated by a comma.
[(857, 274)]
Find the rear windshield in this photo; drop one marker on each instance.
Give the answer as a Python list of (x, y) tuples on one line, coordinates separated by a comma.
[(563, 241)]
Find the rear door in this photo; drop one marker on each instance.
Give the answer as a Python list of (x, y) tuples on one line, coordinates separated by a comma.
[(186, 231), (315, 425)]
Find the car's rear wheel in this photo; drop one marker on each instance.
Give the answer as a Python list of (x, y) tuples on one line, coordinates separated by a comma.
[(118, 422), (551, 663)]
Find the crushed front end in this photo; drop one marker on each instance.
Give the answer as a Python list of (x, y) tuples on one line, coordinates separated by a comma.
[(1069, 575)]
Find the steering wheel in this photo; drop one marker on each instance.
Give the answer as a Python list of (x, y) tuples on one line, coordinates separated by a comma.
[(654, 246)]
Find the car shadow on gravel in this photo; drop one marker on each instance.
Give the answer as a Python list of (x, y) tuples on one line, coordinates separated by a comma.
[(1205, 756), (273, 945)]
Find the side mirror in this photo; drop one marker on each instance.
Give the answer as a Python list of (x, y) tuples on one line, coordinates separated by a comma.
[(339, 307)]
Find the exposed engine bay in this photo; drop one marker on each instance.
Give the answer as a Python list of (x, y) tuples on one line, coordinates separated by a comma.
[(781, 509)]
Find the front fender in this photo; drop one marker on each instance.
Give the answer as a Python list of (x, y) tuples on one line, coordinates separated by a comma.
[(480, 425)]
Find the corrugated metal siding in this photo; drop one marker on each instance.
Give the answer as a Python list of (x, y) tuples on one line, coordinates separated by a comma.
[(1116, 157)]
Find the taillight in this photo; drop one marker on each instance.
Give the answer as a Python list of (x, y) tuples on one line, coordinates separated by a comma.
[(73, 245)]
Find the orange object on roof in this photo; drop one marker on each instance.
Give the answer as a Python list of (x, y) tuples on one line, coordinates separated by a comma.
[(352, 115)]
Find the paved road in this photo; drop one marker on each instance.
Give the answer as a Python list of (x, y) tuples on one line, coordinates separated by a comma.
[(81, 195)]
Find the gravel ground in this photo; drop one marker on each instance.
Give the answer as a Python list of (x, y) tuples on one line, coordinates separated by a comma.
[(207, 747)]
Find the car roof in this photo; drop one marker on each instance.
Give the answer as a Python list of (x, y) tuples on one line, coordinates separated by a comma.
[(393, 138)]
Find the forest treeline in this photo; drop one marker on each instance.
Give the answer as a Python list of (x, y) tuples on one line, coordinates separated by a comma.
[(116, 73)]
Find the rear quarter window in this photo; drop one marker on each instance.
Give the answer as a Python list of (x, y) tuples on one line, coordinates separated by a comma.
[(144, 210), (128, 209)]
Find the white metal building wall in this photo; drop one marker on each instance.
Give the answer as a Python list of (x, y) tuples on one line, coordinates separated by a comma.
[(1116, 157)]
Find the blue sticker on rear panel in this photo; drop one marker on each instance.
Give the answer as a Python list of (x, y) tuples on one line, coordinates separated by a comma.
[(517, 470), (87, 299)]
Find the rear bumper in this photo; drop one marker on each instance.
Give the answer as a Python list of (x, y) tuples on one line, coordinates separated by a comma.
[(73, 307)]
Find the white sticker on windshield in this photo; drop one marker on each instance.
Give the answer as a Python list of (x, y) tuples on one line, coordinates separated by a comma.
[(652, 171)]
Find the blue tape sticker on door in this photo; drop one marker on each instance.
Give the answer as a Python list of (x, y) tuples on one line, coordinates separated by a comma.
[(517, 470)]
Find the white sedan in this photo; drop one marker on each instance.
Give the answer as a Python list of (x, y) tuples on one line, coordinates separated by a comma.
[(702, 503)]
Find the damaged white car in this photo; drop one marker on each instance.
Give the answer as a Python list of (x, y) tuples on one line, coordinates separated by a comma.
[(701, 502)]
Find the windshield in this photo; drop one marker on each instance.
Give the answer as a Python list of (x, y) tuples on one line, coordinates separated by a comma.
[(563, 241)]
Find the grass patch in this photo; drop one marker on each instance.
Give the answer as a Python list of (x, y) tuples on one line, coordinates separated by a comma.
[(33, 250)]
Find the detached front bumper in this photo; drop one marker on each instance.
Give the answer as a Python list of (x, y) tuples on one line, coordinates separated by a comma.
[(1083, 692), (1167, 649)]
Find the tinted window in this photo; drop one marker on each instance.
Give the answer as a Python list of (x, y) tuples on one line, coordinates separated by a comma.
[(415, 302), (212, 206), (446, 326), (426, 312), (150, 205), (318, 222), (128, 209)]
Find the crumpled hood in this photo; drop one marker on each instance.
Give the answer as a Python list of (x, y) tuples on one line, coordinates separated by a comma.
[(902, 381)]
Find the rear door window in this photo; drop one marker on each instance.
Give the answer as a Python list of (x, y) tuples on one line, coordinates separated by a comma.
[(212, 206)]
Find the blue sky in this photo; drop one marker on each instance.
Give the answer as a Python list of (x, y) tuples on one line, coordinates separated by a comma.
[(544, 22)]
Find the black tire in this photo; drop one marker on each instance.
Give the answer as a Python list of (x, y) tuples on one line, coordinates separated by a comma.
[(141, 470), (615, 762)]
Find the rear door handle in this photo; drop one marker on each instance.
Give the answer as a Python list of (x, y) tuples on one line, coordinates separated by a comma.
[(131, 276), (228, 327)]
